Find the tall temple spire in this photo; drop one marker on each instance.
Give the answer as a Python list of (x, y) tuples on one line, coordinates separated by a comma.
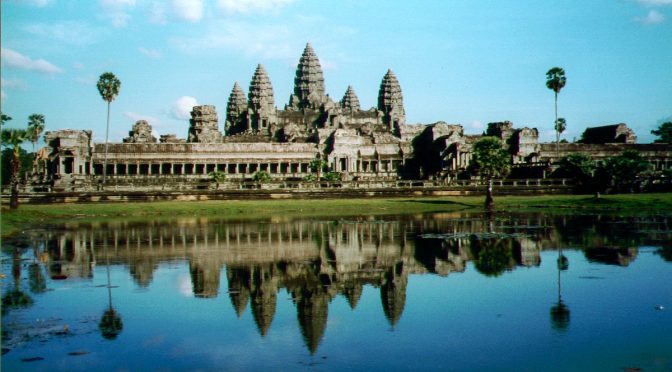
[(261, 90), (262, 113), (235, 110), (309, 91), (391, 101), (350, 100)]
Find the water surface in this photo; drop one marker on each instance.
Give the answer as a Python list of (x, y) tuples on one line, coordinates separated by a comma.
[(454, 291)]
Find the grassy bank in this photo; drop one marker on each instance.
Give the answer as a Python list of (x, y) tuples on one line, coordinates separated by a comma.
[(29, 215)]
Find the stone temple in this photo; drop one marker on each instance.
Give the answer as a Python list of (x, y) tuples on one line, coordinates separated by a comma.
[(356, 144)]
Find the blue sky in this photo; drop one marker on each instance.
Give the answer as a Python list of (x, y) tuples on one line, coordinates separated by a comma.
[(466, 62)]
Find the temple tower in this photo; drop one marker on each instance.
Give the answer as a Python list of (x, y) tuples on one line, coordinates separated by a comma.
[(261, 105), (309, 92), (236, 110), (203, 125), (391, 102), (350, 102)]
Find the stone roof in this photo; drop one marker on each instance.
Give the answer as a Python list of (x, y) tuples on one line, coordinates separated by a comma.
[(309, 80), (350, 100), (261, 90), (615, 133), (389, 95)]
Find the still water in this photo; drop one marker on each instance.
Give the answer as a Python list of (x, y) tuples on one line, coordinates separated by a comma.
[(452, 291)]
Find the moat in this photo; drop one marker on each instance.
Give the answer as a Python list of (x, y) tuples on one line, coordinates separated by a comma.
[(451, 291)]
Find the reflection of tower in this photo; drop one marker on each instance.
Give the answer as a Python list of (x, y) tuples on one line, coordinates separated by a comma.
[(204, 278), (393, 293), (264, 298), (353, 292), (239, 284), (312, 308), (142, 269)]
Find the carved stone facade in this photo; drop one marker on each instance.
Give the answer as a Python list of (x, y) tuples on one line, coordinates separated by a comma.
[(374, 144)]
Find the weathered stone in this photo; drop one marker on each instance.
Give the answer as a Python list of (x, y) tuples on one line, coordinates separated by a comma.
[(236, 111), (350, 102), (204, 125), (141, 133)]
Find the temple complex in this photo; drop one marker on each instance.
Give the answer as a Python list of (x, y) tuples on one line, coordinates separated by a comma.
[(352, 143)]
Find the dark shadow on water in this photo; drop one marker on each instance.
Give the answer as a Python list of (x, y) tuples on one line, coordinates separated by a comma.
[(439, 202)]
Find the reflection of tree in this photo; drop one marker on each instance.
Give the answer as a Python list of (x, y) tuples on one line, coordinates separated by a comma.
[(110, 324), (492, 256), (560, 312), (16, 298), (665, 253), (38, 283)]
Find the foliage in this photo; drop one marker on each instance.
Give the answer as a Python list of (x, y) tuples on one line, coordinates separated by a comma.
[(309, 178), (14, 138), (579, 167), (262, 177), (490, 159), (664, 132), (560, 126), (217, 177), (317, 166), (493, 257), (110, 324), (25, 160), (35, 128), (555, 79), (332, 176), (108, 86), (624, 170), (4, 118)]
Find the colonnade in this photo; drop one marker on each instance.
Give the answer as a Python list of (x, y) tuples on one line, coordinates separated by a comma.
[(182, 168)]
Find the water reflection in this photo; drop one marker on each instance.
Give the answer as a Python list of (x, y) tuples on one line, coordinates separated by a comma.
[(316, 261)]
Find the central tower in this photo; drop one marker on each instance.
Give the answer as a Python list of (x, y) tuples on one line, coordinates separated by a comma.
[(309, 92)]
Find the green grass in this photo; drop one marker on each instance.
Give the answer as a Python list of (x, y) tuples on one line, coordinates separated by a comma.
[(30, 215)]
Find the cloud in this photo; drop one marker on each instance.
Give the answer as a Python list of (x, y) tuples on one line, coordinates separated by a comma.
[(14, 59), (68, 32), (655, 2), (3, 95), (247, 6), (87, 79), (116, 11), (157, 13), (476, 126), (13, 84), (151, 53), (188, 10), (182, 107), (37, 3), (652, 18)]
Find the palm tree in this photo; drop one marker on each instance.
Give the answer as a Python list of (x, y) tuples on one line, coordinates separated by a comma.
[(35, 128), (108, 86), (555, 81), (491, 160), (14, 138), (4, 118)]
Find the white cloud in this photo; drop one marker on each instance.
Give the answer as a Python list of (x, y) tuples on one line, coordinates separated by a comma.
[(116, 11), (3, 95), (476, 126), (38, 3), (78, 65), (68, 32), (157, 13), (182, 107), (14, 59), (151, 53), (655, 2), (652, 18), (188, 10), (86, 79), (246, 6), (13, 84)]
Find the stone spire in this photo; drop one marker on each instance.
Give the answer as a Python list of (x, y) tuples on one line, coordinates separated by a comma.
[(261, 90), (391, 102), (309, 89), (261, 113), (235, 110), (350, 100)]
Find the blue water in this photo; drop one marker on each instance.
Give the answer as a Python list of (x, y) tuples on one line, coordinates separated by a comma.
[(430, 298)]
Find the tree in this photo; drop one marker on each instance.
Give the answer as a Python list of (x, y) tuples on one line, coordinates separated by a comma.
[(217, 177), (664, 132), (261, 177), (491, 160), (579, 167), (14, 138), (108, 87), (4, 118), (555, 81), (35, 128), (623, 170), (317, 166)]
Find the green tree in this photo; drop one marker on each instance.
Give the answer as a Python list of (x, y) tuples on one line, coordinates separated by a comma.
[(579, 167), (262, 177), (217, 178), (624, 170), (108, 87), (317, 166), (555, 81), (4, 118), (14, 138), (35, 128), (664, 132), (490, 160), (332, 176)]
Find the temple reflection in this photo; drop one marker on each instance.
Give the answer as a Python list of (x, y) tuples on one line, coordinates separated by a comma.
[(316, 261)]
